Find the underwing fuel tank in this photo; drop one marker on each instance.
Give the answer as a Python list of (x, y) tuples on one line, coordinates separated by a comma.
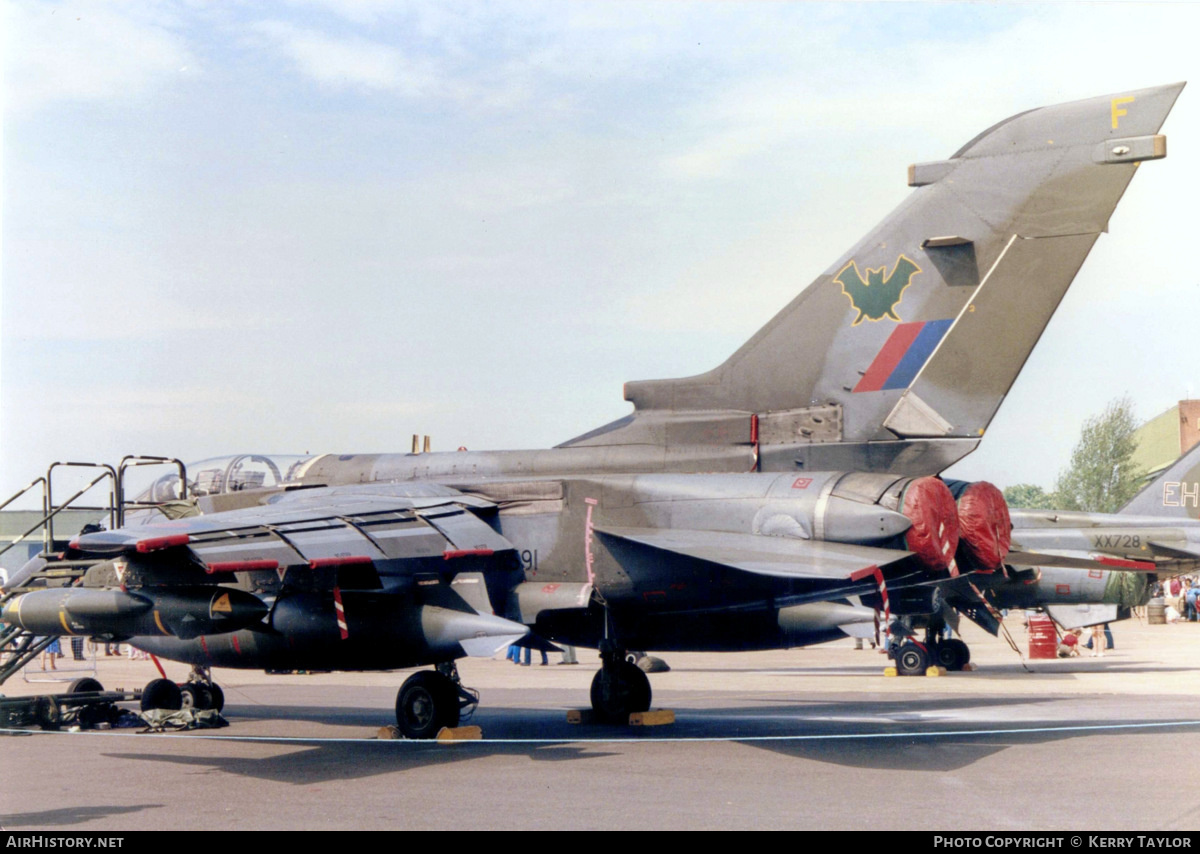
[(185, 612), (376, 633), (308, 620)]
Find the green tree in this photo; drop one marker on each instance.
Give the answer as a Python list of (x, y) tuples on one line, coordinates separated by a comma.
[(1102, 476), (1028, 495)]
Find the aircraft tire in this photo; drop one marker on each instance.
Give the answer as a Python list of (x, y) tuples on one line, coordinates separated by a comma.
[(196, 696), (911, 660), (162, 694), (85, 685), (218, 697), (426, 702), (614, 700), (952, 654)]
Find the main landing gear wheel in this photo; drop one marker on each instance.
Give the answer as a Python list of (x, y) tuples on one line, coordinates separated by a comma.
[(217, 695), (196, 696), (93, 713), (201, 692), (426, 702), (911, 660), (952, 654), (618, 691), (85, 685), (162, 694)]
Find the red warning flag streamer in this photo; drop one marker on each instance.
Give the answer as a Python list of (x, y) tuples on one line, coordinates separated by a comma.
[(158, 664), (341, 612), (999, 618), (876, 573)]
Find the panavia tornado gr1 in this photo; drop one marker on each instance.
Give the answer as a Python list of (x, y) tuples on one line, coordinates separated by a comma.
[(1156, 534), (783, 498)]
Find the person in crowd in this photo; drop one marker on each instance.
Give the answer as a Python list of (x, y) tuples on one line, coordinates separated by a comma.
[(1068, 644)]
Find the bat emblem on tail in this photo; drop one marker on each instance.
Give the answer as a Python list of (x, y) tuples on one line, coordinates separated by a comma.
[(876, 297)]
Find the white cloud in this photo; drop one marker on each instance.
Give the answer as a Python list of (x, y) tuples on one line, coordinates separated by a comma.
[(829, 94), (111, 292), (88, 52), (358, 11), (340, 62)]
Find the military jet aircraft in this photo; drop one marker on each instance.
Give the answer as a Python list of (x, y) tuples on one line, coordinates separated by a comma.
[(767, 503), (1156, 534), (1082, 568)]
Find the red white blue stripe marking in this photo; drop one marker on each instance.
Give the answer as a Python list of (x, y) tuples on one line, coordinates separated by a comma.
[(905, 352)]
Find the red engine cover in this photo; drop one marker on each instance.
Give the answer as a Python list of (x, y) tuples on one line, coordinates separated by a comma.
[(984, 525), (933, 536)]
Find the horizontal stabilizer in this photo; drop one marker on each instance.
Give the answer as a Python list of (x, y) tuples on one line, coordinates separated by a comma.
[(778, 557), (1174, 552), (1079, 616), (1016, 558)]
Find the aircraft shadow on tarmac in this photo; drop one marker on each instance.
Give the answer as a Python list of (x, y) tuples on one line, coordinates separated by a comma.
[(536, 719), (331, 716), (70, 815), (1042, 667), (938, 735), (340, 761), (343, 761), (509, 722), (943, 753), (1108, 667)]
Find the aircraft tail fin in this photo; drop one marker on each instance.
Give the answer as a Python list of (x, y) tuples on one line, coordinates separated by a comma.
[(898, 356), (1174, 493)]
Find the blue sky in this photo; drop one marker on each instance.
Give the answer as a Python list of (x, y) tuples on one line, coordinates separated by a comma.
[(314, 226)]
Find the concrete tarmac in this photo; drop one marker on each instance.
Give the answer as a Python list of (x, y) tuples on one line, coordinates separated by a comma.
[(804, 739)]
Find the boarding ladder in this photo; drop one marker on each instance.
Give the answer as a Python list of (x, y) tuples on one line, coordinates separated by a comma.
[(17, 646)]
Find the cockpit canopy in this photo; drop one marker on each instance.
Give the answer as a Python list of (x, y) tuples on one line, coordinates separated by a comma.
[(219, 475)]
